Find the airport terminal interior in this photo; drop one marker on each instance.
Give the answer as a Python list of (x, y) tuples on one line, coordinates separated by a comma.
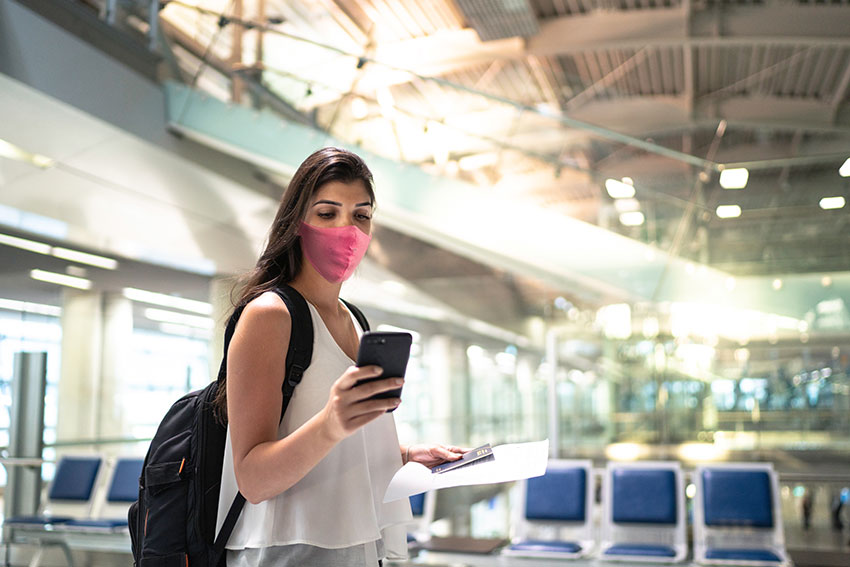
[(617, 225)]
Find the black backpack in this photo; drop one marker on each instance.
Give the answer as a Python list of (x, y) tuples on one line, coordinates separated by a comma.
[(172, 524)]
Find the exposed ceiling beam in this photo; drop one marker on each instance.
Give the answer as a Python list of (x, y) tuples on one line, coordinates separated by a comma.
[(453, 51), (795, 25), (655, 115)]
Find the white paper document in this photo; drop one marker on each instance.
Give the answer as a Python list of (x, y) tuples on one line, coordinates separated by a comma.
[(511, 462)]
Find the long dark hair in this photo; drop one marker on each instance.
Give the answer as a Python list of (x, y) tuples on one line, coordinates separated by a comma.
[(280, 262)]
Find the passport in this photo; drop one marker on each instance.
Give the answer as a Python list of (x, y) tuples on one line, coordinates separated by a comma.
[(482, 454)]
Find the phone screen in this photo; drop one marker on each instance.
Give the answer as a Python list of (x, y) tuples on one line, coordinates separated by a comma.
[(390, 351)]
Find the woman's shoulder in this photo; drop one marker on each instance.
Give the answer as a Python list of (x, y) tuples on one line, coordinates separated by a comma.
[(267, 309)]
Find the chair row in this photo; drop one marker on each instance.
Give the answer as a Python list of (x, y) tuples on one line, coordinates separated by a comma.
[(736, 514), (87, 502)]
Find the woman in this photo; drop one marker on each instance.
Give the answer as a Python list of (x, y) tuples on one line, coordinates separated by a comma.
[(314, 482)]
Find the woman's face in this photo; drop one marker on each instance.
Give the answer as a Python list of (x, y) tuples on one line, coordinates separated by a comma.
[(338, 204)]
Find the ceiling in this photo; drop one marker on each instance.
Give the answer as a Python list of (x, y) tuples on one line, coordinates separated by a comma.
[(545, 99), (529, 104), (542, 101)]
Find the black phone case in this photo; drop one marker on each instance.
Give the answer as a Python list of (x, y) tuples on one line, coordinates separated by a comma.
[(390, 351)]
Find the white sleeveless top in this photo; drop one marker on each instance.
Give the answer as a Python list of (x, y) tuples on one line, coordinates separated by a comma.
[(339, 503)]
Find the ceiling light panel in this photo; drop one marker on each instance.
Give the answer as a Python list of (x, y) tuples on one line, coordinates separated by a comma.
[(29, 307), (618, 189), (165, 316), (499, 19), (11, 151), (634, 218), (60, 279), (166, 300), (84, 258), (25, 244), (832, 203), (728, 211), (735, 178)]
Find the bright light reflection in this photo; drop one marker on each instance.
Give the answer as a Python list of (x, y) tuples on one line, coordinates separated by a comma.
[(634, 218), (60, 279), (28, 307), (25, 244), (11, 151), (165, 300), (626, 205), (735, 178), (698, 452), (619, 190), (832, 203), (626, 451), (85, 258), (844, 170), (164, 316), (359, 108), (728, 211)]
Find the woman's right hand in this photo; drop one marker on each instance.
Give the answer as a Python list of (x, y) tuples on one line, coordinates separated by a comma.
[(349, 407)]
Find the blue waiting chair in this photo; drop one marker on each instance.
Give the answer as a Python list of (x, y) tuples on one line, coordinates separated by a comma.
[(70, 494), (553, 512), (110, 512), (643, 515), (737, 515)]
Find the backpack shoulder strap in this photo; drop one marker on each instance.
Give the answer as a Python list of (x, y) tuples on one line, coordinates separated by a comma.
[(298, 357), (300, 350), (364, 323)]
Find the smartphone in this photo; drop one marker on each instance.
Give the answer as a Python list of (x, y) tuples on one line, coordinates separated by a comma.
[(390, 351)]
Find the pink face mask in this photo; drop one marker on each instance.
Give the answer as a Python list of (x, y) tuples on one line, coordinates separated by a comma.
[(334, 252)]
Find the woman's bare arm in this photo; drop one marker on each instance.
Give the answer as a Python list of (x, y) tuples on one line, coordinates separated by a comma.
[(265, 466)]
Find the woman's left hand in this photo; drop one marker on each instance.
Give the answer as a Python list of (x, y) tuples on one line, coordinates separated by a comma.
[(433, 455)]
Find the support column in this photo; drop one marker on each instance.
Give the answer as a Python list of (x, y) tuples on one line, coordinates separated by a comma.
[(82, 329), (221, 289), (26, 433), (447, 384), (116, 352)]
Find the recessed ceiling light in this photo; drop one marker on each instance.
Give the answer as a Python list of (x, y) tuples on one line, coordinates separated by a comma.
[(634, 218), (735, 178), (166, 300), (619, 190), (728, 211), (25, 244), (359, 108), (832, 203), (11, 151), (29, 307), (844, 170), (165, 316), (84, 258), (626, 205), (60, 279)]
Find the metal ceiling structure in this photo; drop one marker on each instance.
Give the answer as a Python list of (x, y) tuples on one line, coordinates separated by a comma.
[(539, 102), (544, 100)]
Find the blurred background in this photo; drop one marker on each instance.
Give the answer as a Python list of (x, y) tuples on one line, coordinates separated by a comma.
[(617, 224)]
